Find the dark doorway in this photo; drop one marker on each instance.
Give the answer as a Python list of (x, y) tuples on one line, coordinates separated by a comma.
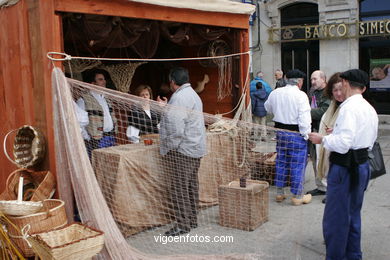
[(300, 55)]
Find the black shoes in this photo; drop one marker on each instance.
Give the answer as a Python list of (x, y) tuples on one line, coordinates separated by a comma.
[(175, 231), (316, 192)]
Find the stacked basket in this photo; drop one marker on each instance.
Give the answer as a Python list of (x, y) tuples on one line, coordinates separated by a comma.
[(51, 216), (26, 198), (36, 224)]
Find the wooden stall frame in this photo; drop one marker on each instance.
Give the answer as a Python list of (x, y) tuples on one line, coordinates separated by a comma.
[(45, 35)]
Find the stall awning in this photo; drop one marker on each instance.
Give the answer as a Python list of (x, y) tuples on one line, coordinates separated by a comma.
[(222, 6)]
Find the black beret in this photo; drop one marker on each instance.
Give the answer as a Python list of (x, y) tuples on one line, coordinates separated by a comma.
[(295, 74), (359, 77)]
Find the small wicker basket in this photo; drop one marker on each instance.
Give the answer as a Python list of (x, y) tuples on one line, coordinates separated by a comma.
[(75, 241), (29, 146)]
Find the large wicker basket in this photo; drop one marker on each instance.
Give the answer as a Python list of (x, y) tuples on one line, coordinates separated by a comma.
[(75, 241), (51, 216), (29, 147)]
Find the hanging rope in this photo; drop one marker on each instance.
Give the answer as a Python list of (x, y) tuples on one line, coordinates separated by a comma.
[(69, 57)]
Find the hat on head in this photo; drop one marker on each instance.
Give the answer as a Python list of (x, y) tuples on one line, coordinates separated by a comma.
[(359, 77), (295, 74)]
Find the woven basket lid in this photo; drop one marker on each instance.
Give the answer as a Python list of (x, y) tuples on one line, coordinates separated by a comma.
[(29, 146)]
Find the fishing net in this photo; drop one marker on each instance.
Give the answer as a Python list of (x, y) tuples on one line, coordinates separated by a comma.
[(127, 188)]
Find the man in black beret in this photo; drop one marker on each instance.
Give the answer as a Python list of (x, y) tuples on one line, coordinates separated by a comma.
[(354, 133), (291, 110)]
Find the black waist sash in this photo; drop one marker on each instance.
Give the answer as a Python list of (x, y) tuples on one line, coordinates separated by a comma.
[(287, 127), (351, 160)]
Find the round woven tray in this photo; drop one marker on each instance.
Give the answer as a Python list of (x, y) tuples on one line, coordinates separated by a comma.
[(29, 146)]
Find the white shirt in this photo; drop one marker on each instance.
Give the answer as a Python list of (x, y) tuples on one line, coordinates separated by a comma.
[(290, 105), (356, 126), (82, 118), (108, 124)]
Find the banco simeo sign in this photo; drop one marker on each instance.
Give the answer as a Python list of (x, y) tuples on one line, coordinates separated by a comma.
[(329, 31)]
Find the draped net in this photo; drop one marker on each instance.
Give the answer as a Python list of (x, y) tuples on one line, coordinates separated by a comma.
[(125, 189)]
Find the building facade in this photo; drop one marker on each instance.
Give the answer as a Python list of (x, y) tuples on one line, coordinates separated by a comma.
[(330, 35)]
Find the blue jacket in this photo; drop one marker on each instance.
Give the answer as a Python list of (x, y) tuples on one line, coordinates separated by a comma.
[(266, 86), (258, 99)]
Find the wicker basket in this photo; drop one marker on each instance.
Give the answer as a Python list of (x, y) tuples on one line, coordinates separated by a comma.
[(75, 241), (29, 147), (51, 216), (19, 208), (263, 167), (37, 186), (243, 208)]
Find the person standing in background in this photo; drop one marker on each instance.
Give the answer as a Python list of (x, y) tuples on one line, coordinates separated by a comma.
[(142, 119), (319, 103), (291, 110), (355, 131), (259, 114), (280, 81), (334, 91), (259, 78)]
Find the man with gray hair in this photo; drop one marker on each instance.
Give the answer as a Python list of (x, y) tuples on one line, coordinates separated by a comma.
[(182, 145), (291, 111), (259, 78), (280, 81), (319, 103)]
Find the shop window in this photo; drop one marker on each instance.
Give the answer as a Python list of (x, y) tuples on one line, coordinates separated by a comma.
[(374, 55)]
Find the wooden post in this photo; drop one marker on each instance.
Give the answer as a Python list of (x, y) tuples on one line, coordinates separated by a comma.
[(45, 35), (245, 79)]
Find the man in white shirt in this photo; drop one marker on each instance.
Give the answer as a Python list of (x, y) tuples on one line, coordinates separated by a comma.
[(100, 132), (354, 133), (291, 109)]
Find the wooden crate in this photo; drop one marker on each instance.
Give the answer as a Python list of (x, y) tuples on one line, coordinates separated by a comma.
[(243, 208)]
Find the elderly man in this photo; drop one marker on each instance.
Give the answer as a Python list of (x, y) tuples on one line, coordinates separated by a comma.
[(259, 78), (183, 144), (354, 133), (280, 81), (291, 110), (319, 104)]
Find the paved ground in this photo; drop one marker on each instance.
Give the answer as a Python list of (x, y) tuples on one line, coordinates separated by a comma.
[(291, 232)]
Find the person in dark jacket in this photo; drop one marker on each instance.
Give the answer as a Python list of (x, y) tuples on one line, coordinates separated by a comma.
[(142, 119), (280, 81), (259, 113), (319, 103)]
